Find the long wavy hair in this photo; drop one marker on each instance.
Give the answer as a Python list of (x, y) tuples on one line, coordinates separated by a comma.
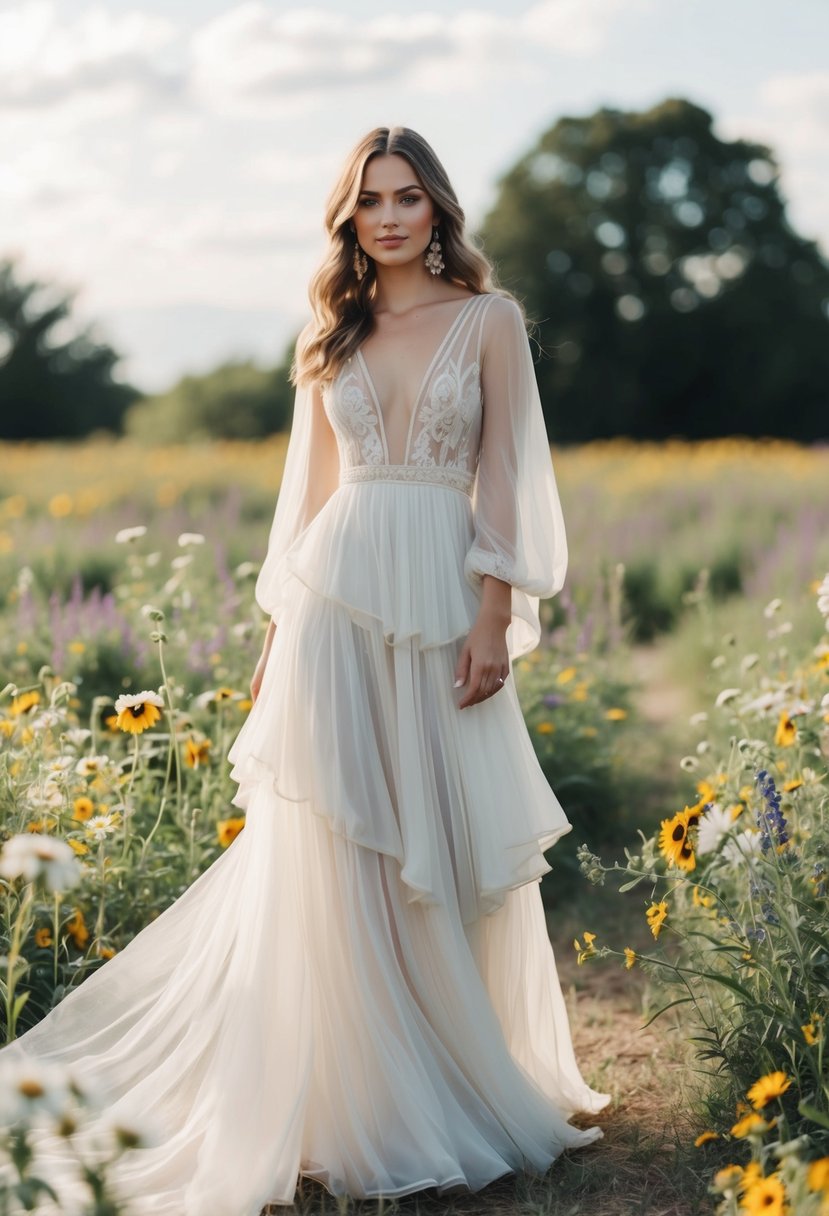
[(340, 303)]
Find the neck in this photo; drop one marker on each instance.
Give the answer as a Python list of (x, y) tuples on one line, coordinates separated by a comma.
[(401, 288)]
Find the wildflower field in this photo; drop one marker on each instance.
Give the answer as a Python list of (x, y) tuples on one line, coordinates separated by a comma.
[(696, 874)]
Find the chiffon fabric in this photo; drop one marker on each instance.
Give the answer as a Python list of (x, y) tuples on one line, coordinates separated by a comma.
[(361, 989)]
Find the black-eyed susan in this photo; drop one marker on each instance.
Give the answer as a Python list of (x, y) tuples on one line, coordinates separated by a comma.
[(704, 1137), (772, 1085), (656, 914), (77, 930), (138, 711), (43, 937), (765, 1197), (674, 840), (196, 752), (228, 829), (786, 732), (630, 957)]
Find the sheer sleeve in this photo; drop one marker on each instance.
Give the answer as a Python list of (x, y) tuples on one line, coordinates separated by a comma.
[(519, 526), (309, 478)]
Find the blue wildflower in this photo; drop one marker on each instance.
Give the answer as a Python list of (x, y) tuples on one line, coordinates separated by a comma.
[(770, 818)]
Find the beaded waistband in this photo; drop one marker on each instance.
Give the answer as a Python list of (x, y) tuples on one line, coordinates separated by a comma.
[(456, 479)]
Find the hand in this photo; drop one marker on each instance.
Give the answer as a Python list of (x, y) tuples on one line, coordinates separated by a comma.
[(483, 663)]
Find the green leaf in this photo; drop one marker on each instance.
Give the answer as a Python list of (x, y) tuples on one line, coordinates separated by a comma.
[(812, 1112)]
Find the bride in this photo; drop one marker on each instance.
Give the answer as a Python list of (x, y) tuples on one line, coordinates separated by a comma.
[(361, 989)]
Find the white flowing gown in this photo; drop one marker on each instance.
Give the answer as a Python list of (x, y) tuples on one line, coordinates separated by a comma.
[(361, 989)]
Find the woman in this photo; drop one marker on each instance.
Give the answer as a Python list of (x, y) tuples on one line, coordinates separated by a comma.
[(361, 989)]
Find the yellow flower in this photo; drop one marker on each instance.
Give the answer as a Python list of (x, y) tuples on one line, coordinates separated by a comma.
[(786, 732), (244, 705), (229, 829), (82, 808), (545, 728), (566, 675), (43, 937), (41, 825), (810, 1030), (727, 1178), (111, 722), (77, 930), (765, 1197), (794, 784), (616, 714), (773, 1085), (630, 957), (656, 914), (701, 901), (750, 1124), (7, 727), (24, 702), (579, 692), (60, 505), (818, 1176), (105, 951), (588, 950), (138, 711), (704, 1137), (589, 732), (76, 647), (78, 846), (196, 752), (674, 843)]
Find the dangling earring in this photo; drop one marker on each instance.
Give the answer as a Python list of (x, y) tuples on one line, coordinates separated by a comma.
[(360, 262), (433, 259)]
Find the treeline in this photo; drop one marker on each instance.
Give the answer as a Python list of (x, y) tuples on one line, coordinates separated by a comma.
[(670, 296)]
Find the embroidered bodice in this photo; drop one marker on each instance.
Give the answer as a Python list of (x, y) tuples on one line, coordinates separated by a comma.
[(444, 432)]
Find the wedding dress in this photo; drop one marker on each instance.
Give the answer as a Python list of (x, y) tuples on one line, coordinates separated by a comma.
[(361, 989)]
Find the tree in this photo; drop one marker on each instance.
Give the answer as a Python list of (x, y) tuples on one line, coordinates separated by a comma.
[(671, 294), (52, 386), (234, 401)]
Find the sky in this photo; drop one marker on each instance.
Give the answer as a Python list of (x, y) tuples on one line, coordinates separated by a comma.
[(167, 162)]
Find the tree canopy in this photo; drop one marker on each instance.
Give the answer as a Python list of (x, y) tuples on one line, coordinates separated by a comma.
[(53, 382), (672, 296)]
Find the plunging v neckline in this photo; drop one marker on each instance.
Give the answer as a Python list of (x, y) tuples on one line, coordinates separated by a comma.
[(424, 380)]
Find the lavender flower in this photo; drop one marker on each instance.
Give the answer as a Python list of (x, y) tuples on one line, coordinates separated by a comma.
[(770, 818)]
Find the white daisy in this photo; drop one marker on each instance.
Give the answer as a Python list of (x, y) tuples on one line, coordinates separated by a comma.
[(31, 855), (127, 534), (713, 825)]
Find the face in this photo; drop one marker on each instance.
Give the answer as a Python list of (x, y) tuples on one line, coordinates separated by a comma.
[(392, 203)]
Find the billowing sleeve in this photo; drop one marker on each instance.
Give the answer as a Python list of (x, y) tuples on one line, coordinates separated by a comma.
[(519, 525), (309, 478)]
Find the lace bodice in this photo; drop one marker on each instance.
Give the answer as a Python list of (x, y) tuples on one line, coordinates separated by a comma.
[(444, 432)]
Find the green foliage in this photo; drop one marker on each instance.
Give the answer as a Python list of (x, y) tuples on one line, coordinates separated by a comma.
[(51, 386), (672, 295), (235, 401)]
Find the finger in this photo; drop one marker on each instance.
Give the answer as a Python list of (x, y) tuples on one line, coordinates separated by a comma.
[(462, 667)]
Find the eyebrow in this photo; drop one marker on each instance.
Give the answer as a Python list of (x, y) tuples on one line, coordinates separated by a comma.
[(402, 190)]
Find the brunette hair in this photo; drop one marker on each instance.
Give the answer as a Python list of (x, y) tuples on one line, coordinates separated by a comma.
[(340, 303)]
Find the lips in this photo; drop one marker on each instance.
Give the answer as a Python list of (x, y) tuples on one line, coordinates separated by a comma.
[(390, 240)]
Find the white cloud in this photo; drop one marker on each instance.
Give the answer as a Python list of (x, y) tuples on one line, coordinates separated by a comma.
[(47, 57)]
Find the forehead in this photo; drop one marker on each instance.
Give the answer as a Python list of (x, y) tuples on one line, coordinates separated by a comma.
[(388, 172)]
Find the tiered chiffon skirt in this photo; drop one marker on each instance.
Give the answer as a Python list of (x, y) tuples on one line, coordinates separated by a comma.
[(361, 988)]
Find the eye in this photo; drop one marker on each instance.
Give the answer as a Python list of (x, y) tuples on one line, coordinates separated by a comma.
[(366, 202), (412, 198)]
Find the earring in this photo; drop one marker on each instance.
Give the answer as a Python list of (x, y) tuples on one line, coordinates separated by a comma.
[(360, 262), (433, 259)]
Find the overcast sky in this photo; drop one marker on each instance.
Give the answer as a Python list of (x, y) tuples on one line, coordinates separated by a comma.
[(169, 159)]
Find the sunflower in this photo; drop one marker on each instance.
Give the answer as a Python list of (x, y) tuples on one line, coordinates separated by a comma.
[(137, 711), (229, 829), (196, 752), (750, 1124), (773, 1085), (82, 808), (786, 732), (656, 914), (630, 957), (767, 1196), (77, 930), (818, 1176), (704, 1137), (674, 843), (24, 702)]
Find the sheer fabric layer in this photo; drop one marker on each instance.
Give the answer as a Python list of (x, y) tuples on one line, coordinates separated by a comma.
[(293, 1012)]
